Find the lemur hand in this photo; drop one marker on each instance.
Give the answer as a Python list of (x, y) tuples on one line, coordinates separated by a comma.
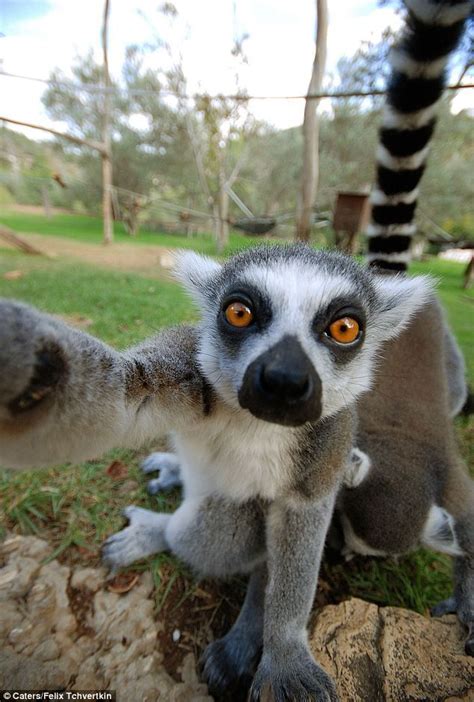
[(32, 361), (62, 392)]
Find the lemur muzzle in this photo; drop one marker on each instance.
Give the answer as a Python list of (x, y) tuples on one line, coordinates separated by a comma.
[(282, 386)]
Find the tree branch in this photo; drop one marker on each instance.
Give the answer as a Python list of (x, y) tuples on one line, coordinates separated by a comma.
[(75, 140)]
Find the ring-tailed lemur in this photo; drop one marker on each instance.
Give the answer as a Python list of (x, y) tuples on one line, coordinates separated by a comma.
[(410, 487), (260, 399), (418, 61)]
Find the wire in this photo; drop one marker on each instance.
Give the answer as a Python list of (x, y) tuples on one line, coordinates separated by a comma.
[(238, 97)]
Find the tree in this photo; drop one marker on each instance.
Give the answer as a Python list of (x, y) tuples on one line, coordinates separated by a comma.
[(143, 156), (105, 116), (311, 127), (106, 140)]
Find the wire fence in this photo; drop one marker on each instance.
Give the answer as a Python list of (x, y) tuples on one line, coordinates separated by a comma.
[(238, 97)]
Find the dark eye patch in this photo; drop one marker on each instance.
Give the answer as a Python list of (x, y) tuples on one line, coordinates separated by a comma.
[(257, 302)]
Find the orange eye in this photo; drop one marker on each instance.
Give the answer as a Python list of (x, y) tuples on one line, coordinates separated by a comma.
[(344, 330), (238, 314)]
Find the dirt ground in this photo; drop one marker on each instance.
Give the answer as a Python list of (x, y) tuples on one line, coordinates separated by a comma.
[(153, 261)]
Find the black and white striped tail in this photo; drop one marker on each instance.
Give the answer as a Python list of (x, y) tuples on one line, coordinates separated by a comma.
[(418, 75)]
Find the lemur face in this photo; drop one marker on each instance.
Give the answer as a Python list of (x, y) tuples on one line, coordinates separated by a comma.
[(290, 334)]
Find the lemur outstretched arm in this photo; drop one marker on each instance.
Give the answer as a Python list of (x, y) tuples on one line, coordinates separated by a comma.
[(66, 396), (295, 540)]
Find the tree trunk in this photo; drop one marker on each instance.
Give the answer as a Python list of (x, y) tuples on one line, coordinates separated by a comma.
[(223, 239), (106, 154), (46, 201), (310, 175)]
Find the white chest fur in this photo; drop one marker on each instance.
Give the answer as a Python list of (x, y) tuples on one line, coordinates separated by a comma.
[(234, 455)]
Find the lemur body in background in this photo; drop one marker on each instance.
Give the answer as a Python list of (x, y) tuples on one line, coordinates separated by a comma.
[(261, 399), (413, 486)]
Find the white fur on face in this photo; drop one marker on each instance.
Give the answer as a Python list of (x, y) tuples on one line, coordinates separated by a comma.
[(297, 292)]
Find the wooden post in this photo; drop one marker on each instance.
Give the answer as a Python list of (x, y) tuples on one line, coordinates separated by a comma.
[(310, 176), (106, 152)]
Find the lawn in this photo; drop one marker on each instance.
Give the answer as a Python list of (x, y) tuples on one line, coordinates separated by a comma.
[(89, 229), (76, 509)]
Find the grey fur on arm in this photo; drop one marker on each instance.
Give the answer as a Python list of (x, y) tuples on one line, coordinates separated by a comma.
[(66, 396)]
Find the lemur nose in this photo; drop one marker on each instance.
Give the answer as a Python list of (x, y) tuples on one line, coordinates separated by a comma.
[(284, 382), (282, 385)]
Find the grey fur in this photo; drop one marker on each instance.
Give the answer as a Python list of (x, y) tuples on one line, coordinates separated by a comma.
[(230, 663), (406, 430), (255, 493)]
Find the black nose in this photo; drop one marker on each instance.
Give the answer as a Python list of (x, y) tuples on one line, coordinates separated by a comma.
[(282, 385), (285, 382)]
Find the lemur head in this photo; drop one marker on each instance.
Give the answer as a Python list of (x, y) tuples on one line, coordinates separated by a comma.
[(291, 334)]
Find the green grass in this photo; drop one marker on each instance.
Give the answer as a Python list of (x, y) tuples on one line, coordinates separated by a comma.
[(124, 308), (89, 229), (76, 508), (458, 303)]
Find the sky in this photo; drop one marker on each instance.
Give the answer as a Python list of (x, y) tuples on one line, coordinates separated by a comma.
[(37, 36)]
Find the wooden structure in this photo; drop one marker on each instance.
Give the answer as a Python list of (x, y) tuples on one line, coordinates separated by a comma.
[(351, 216), (14, 240)]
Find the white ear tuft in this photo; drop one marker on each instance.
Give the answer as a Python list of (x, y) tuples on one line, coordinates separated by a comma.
[(195, 273), (399, 299)]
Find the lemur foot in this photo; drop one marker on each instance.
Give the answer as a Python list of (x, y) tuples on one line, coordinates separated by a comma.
[(447, 606), (229, 664), (168, 465), (144, 536), (296, 676), (450, 606)]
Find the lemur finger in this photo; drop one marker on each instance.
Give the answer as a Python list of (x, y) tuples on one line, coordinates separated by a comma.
[(159, 461), (163, 484)]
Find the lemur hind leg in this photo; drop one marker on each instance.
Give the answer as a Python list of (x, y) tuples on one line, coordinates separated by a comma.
[(462, 600), (169, 468), (229, 663)]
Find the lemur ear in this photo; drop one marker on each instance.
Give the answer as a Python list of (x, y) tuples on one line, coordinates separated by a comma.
[(399, 298), (196, 273)]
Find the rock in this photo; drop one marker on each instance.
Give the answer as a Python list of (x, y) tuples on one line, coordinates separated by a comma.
[(28, 546), (17, 577), (47, 650), (22, 673), (88, 579), (61, 627), (389, 654)]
